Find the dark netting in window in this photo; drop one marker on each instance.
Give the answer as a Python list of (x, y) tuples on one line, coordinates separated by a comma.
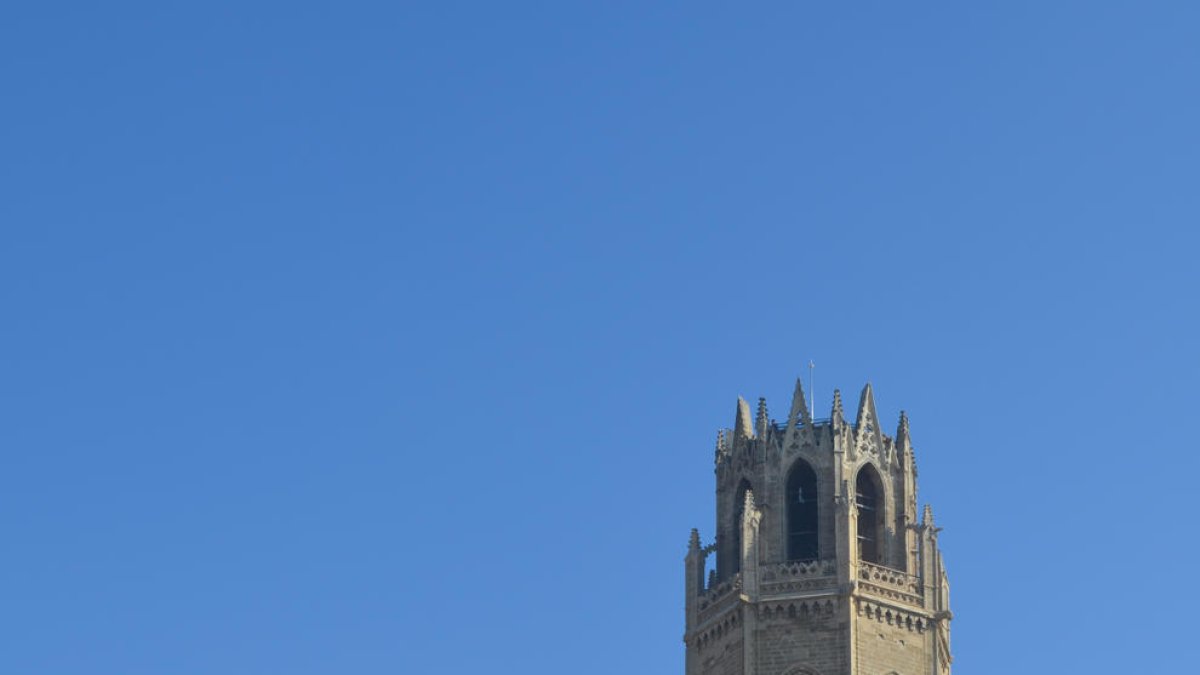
[(801, 498)]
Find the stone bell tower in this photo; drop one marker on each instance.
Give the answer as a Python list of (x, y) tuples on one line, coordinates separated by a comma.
[(822, 566)]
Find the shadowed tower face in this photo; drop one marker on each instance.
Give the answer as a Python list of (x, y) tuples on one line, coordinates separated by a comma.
[(822, 564)]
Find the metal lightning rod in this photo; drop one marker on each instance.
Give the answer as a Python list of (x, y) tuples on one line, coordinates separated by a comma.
[(812, 393)]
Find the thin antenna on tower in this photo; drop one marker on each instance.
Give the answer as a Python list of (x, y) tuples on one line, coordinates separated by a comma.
[(812, 393)]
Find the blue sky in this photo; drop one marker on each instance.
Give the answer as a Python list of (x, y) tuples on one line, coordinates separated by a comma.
[(389, 338)]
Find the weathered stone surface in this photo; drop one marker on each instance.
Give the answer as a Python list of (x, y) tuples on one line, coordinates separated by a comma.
[(837, 613)]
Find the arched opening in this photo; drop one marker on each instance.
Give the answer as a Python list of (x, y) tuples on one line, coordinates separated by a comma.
[(801, 510), (739, 510), (868, 496)]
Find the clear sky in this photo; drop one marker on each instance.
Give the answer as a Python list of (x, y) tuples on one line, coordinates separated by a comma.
[(386, 338)]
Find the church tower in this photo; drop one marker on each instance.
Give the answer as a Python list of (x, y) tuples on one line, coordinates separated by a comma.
[(822, 566)]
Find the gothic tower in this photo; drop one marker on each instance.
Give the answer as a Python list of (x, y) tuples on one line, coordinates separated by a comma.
[(822, 567)]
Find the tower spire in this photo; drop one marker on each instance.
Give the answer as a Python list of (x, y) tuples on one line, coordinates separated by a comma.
[(866, 410), (741, 421), (868, 436), (799, 414)]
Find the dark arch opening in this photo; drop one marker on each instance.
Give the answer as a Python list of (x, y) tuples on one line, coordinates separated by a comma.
[(739, 510), (868, 493), (801, 499)]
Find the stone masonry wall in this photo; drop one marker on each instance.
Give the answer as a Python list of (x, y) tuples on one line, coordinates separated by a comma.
[(722, 655), (816, 640), (882, 648), (886, 613)]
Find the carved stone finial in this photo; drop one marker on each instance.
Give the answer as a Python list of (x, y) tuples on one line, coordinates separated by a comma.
[(749, 504), (760, 420), (722, 451), (836, 416), (694, 541), (903, 441)]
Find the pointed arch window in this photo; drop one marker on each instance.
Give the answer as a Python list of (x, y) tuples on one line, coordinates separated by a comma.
[(739, 510), (801, 498), (868, 497)]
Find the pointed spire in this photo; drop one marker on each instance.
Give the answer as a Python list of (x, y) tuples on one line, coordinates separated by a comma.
[(927, 516), (836, 417), (903, 442), (760, 420), (694, 541), (799, 414), (866, 410), (741, 421)]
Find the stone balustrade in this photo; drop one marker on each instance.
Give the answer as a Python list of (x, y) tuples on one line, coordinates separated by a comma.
[(795, 576), (797, 569), (890, 583), (715, 594)]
